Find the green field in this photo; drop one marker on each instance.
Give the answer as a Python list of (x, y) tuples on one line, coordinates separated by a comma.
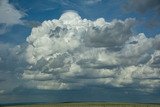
[(87, 105)]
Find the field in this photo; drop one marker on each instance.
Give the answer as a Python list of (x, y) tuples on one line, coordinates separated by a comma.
[(87, 105)]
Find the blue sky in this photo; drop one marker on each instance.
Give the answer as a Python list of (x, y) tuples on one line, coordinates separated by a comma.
[(37, 11), (95, 50)]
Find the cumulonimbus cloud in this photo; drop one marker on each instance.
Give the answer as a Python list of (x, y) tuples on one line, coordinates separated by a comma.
[(71, 52)]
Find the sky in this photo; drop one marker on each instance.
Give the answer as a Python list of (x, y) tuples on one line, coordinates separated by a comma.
[(79, 50)]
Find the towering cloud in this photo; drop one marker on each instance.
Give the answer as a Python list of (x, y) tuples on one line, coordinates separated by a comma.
[(72, 52)]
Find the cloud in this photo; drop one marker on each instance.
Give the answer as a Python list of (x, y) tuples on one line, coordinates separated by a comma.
[(12, 64), (8, 53), (2, 91), (3, 29), (31, 24), (91, 2), (9, 14), (71, 52), (145, 7)]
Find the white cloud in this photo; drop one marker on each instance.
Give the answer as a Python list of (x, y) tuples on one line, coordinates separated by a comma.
[(91, 2), (143, 45), (9, 14), (73, 52), (157, 42), (155, 59), (2, 91), (36, 75)]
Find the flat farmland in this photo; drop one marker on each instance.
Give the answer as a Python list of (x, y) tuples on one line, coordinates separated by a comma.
[(86, 105)]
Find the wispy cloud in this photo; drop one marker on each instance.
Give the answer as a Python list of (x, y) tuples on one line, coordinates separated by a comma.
[(145, 7), (3, 29), (9, 14), (31, 24), (91, 2)]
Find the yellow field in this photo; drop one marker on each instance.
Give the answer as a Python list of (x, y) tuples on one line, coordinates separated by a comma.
[(87, 105)]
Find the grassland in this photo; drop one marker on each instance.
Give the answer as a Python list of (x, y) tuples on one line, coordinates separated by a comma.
[(87, 105)]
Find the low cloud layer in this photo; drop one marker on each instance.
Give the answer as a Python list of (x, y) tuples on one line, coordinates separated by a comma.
[(72, 52)]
